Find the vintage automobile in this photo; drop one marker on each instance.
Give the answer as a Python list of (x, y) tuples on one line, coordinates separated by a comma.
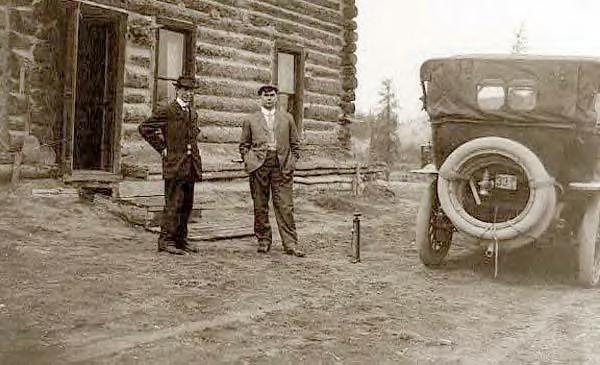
[(514, 149)]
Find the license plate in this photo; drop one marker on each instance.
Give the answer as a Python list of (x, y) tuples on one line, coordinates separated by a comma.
[(506, 182)]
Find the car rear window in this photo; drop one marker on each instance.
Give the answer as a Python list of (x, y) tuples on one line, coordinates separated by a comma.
[(522, 98), (490, 97)]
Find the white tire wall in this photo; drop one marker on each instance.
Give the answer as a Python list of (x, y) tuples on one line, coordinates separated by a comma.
[(537, 214)]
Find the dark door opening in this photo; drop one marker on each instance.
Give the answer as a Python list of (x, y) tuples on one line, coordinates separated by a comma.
[(94, 122)]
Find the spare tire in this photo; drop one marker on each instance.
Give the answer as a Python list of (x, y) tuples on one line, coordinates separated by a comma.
[(508, 212)]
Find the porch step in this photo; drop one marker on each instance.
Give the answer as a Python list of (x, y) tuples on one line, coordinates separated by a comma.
[(225, 225)]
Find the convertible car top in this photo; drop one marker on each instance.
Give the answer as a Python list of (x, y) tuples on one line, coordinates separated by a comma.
[(519, 88)]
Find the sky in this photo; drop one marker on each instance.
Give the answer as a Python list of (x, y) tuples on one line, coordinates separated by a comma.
[(396, 36)]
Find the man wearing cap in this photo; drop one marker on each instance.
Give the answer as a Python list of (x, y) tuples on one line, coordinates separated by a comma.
[(172, 132), (269, 147)]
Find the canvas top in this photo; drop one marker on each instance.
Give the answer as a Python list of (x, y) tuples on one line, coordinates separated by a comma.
[(517, 88)]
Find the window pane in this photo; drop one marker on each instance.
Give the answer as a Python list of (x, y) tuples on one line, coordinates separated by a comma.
[(170, 54), (165, 92), (490, 97), (522, 98), (285, 73)]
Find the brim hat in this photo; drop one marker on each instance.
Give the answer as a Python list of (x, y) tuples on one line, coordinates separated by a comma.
[(186, 82), (266, 88)]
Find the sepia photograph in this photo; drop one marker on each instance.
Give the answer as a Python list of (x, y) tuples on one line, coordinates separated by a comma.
[(299, 182)]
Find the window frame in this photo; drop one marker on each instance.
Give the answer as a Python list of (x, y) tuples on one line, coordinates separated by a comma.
[(299, 54), (188, 29)]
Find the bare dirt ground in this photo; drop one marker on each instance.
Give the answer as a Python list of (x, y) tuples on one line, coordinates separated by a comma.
[(79, 286)]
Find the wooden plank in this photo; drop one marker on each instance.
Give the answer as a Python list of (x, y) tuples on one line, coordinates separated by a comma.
[(16, 170), (92, 176), (214, 236), (58, 192)]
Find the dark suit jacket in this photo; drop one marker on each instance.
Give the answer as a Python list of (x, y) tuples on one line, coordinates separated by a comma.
[(253, 144), (176, 130)]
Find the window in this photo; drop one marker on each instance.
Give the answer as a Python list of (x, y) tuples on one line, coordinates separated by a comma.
[(288, 75), (174, 57), (490, 97), (522, 98)]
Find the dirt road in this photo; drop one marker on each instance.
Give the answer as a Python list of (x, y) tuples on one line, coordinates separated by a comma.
[(78, 286)]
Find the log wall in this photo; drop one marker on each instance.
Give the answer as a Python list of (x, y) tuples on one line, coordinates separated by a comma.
[(234, 55)]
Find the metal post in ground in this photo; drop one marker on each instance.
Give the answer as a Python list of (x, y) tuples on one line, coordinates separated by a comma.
[(355, 244)]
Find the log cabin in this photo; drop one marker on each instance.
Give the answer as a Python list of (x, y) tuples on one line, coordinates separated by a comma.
[(78, 76)]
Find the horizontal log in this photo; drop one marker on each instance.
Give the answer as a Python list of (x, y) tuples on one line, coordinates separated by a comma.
[(322, 112), (329, 186), (330, 60), (130, 132), (331, 4), (160, 8), (349, 47), (232, 70), (322, 138), (220, 156), (350, 36), (136, 113), (310, 35), (322, 180), (17, 122), (323, 86), (314, 11), (237, 40), (350, 24), (303, 14), (136, 96), (319, 125), (208, 117), (223, 103), (262, 31), (349, 83), (28, 172), (136, 78), (320, 71), (348, 107), (349, 59), (350, 12), (214, 134), (226, 87), (323, 99), (226, 52), (348, 96), (140, 28)]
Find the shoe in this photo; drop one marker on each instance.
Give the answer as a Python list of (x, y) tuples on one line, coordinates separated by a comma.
[(293, 252), (188, 247), (264, 247), (174, 250)]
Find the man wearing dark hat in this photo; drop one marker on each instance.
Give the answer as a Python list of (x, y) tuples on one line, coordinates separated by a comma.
[(172, 132), (269, 147)]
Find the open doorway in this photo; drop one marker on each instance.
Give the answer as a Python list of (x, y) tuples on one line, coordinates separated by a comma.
[(94, 107), (94, 73)]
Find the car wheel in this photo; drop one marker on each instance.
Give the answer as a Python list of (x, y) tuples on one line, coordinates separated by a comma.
[(589, 245), (462, 171), (433, 229)]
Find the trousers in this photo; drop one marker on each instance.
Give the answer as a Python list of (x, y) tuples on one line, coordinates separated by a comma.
[(264, 181), (179, 201)]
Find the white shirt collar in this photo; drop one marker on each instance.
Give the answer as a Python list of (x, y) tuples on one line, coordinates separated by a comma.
[(182, 103), (267, 111)]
